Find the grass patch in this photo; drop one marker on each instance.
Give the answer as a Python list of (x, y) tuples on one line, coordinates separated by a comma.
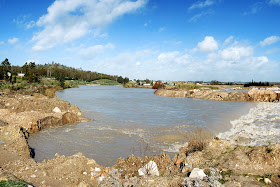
[(105, 82), (222, 181), (191, 86), (12, 183)]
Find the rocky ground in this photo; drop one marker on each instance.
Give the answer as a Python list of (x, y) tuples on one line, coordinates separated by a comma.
[(222, 162)]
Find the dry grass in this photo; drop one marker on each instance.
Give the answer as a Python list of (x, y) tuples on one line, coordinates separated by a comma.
[(198, 139)]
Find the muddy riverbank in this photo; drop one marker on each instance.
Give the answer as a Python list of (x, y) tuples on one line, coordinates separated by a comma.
[(222, 161)]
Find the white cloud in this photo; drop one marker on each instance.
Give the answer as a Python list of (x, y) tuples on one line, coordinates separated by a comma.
[(196, 17), (271, 51), (24, 20), (255, 8), (201, 4), (274, 2), (12, 40), (89, 52), (270, 40), (167, 57), (228, 40), (161, 29), (68, 20), (2, 43), (209, 44), (236, 53), (30, 24)]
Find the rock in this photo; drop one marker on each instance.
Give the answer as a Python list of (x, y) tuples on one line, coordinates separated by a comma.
[(82, 184), (91, 161), (267, 181), (95, 172), (149, 169), (197, 174), (100, 179), (56, 110), (69, 117), (33, 176)]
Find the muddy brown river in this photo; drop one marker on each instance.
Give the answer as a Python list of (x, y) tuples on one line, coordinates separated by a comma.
[(129, 121)]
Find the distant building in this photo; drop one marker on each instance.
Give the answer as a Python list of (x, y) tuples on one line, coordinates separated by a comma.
[(21, 74)]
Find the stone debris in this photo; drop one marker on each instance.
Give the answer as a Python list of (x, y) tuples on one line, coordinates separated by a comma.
[(197, 174), (56, 110), (149, 169), (33, 176), (267, 181), (83, 184), (211, 180)]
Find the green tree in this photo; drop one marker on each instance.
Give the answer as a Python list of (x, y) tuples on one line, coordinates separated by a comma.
[(31, 73), (214, 82), (120, 79), (5, 69), (60, 78), (126, 80)]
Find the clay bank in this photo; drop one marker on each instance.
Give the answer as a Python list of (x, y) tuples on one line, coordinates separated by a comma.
[(259, 95), (201, 163)]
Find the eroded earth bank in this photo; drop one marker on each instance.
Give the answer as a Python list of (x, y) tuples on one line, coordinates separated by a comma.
[(223, 162)]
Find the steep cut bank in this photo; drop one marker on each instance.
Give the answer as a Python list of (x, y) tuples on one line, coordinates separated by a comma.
[(252, 95), (37, 111)]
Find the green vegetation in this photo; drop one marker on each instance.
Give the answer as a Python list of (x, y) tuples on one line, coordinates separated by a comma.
[(269, 149), (12, 183), (222, 181), (253, 83), (50, 75), (191, 86), (105, 82)]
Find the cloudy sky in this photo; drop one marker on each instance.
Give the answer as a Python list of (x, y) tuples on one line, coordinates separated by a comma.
[(225, 40)]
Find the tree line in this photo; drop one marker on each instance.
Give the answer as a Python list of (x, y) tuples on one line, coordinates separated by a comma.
[(33, 72)]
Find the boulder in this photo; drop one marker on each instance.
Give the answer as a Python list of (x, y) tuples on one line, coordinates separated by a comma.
[(267, 181), (197, 174), (56, 110), (69, 117), (149, 169)]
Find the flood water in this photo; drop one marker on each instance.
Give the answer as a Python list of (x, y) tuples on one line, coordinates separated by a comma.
[(129, 121)]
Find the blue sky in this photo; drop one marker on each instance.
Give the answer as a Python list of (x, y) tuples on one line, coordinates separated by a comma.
[(225, 40)]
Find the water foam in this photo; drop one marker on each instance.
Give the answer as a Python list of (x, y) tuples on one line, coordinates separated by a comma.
[(260, 126)]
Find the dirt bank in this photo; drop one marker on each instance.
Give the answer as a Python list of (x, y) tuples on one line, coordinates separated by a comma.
[(222, 161), (35, 112), (252, 95)]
